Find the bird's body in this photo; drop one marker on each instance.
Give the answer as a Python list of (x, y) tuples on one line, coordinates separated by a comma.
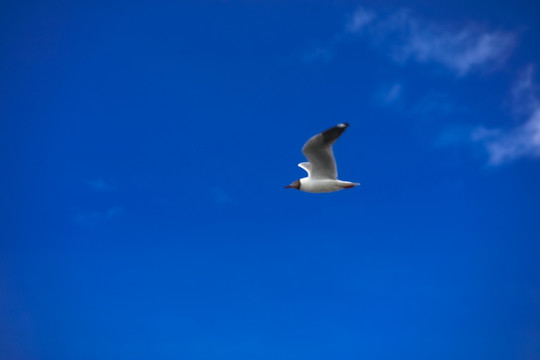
[(321, 168), (310, 185)]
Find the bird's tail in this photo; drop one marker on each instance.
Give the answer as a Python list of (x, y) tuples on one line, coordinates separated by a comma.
[(348, 184)]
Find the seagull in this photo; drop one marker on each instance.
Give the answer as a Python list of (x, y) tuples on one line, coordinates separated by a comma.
[(321, 168)]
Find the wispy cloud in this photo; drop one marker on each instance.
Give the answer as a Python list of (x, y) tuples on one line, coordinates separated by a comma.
[(524, 139), (360, 19), (389, 95), (525, 93), (459, 48)]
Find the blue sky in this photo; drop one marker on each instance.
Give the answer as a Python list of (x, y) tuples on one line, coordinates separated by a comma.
[(144, 150)]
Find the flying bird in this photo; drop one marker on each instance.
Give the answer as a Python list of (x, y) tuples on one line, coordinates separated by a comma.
[(321, 168)]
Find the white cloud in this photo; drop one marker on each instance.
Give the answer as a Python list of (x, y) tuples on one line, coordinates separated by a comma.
[(462, 52), (525, 93), (360, 19), (461, 49), (523, 140)]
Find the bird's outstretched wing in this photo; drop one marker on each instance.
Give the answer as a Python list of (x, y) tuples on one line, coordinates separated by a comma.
[(318, 151)]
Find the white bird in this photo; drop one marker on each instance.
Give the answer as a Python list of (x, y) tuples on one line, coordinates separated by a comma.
[(321, 168)]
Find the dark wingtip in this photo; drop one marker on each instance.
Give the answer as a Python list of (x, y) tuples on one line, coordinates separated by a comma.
[(330, 136)]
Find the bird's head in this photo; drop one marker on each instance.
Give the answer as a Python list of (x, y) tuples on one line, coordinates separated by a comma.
[(294, 185)]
